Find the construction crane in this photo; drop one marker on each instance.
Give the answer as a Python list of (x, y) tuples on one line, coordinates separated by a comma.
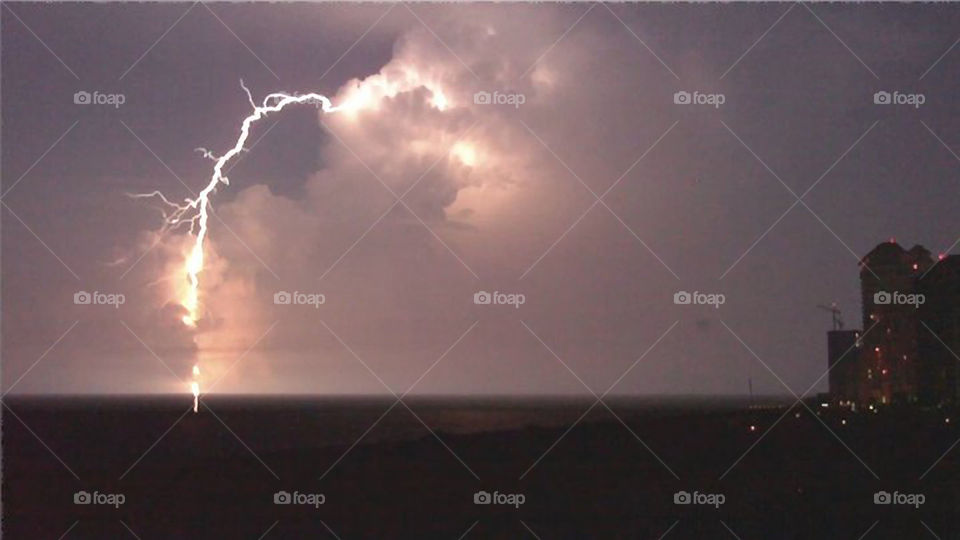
[(835, 312)]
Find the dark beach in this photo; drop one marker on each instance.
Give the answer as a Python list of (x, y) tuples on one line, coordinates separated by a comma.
[(214, 474)]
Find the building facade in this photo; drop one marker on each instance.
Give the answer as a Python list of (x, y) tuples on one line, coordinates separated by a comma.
[(906, 353)]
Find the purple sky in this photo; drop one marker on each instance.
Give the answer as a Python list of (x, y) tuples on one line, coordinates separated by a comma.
[(498, 195)]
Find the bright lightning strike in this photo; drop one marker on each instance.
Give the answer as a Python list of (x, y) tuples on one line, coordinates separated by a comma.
[(195, 388), (195, 212)]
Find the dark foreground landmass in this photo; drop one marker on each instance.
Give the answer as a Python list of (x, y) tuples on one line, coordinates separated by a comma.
[(214, 474)]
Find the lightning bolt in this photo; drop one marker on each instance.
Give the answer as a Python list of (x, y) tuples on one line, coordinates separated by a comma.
[(195, 213), (195, 388)]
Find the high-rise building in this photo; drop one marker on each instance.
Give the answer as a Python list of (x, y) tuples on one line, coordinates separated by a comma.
[(889, 278), (907, 352), (940, 332)]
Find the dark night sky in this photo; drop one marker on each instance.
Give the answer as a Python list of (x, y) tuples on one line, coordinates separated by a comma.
[(800, 101)]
